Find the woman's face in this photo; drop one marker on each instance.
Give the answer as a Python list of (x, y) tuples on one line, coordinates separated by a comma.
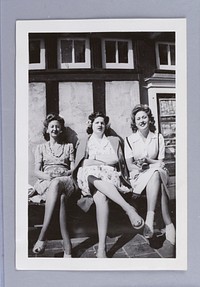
[(54, 129), (98, 126), (142, 120)]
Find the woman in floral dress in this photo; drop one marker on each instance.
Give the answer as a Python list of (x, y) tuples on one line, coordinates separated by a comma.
[(54, 161), (98, 175)]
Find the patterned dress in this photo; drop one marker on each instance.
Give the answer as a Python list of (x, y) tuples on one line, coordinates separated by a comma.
[(107, 173), (153, 148), (57, 165)]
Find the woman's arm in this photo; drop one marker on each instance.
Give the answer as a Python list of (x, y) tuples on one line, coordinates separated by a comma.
[(110, 160), (155, 162), (40, 174), (88, 162), (72, 165), (131, 165)]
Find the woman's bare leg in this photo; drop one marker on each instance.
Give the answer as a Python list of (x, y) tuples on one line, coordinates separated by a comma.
[(63, 225), (111, 192), (152, 191), (170, 229), (52, 197), (165, 208), (102, 213)]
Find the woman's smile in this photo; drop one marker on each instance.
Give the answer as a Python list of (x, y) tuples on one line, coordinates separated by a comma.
[(142, 120), (54, 128)]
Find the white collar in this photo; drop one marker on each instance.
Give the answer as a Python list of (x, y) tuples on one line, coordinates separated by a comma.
[(102, 142), (137, 137)]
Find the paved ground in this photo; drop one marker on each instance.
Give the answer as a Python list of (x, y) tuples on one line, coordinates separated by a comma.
[(122, 240), (118, 247)]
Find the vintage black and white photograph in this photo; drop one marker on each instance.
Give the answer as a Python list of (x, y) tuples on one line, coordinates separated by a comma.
[(101, 133)]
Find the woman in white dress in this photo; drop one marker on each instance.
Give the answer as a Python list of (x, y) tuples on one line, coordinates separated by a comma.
[(144, 153), (98, 175)]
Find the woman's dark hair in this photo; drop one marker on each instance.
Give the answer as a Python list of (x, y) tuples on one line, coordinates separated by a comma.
[(91, 119), (147, 110), (53, 117)]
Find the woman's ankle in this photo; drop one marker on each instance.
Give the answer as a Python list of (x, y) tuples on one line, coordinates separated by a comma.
[(150, 219), (171, 233), (101, 252)]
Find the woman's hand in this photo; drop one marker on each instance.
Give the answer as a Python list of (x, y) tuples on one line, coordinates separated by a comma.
[(53, 175), (158, 164), (110, 160), (88, 162), (41, 174)]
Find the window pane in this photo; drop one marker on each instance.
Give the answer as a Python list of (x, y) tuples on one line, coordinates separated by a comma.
[(172, 54), (110, 51), (66, 51), (163, 54), (34, 51), (123, 52), (79, 48)]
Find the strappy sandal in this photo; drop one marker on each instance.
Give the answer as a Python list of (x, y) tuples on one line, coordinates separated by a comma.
[(147, 232), (137, 224), (39, 247)]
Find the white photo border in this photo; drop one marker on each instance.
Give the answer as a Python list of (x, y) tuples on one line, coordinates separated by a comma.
[(23, 28)]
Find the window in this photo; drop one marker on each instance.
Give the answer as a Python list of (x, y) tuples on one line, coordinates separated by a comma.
[(167, 123), (36, 54), (117, 54), (165, 56), (73, 53)]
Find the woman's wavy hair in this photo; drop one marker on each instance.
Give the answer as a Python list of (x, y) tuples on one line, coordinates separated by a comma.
[(147, 110), (53, 117), (91, 119)]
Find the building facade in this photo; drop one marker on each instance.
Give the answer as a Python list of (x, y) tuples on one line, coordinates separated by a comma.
[(76, 74)]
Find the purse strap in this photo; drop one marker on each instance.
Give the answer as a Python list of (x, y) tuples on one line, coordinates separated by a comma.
[(158, 144), (128, 143)]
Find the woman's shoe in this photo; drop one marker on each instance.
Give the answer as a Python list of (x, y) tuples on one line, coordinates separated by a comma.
[(137, 224), (147, 232), (101, 254), (39, 247), (67, 255)]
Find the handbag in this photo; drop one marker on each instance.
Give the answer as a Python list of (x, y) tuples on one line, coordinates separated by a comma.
[(85, 202)]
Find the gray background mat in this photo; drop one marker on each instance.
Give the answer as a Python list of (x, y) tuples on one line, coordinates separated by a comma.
[(12, 10)]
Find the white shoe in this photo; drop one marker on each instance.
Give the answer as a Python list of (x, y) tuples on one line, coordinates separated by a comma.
[(67, 255)]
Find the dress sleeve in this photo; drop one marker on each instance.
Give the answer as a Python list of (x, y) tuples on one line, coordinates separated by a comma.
[(71, 152), (161, 153), (38, 154), (127, 149)]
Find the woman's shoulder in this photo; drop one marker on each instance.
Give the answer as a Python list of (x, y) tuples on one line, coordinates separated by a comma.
[(156, 135), (134, 137), (40, 148)]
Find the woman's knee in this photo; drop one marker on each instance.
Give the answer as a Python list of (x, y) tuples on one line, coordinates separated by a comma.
[(55, 185), (100, 198), (156, 177)]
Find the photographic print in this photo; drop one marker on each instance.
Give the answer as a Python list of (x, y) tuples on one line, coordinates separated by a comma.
[(101, 144)]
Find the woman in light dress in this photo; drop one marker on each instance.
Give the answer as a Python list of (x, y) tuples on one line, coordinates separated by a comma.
[(54, 161), (144, 153)]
